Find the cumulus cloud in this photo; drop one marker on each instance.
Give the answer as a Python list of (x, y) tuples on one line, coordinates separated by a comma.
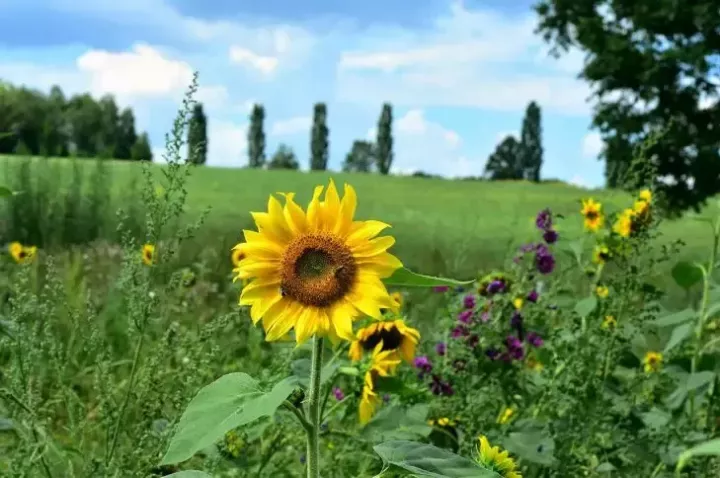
[(579, 181), (299, 124), (592, 145), (264, 64)]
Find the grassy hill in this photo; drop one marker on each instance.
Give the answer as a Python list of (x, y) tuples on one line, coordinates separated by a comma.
[(441, 226)]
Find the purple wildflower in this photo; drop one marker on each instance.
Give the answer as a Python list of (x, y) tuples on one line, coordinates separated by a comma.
[(545, 263), (492, 353), (543, 220), (517, 353), (512, 342), (423, 364), (527, 247), (339, 395), (440, 348), (484, 317), (469, 301), (465, 316), (473, 341), (534, 339), (550, 236), (459, 289), (460, 331), (496, 286), (441, 288), (533, 296)]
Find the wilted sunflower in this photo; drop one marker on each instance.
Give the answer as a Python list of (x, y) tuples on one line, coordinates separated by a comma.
[(383, 364), (601, 254), (396, 336), (652, 362), (148, 254), (496, 460), (22, 254), (316, 271), (592, 212)]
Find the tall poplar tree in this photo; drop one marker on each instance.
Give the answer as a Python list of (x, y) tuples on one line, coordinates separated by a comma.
[(531, 143), (384, 143), (256, 138), (319, 143), (197, 136)]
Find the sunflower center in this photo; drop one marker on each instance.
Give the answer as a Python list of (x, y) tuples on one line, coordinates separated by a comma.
[(22, 255), (317, 270), (591, 215), (391, 339)]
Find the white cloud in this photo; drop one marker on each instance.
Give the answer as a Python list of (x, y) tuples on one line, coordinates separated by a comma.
[(213, 96), (243, 56), (578, 181), (475, 58), (227, 143), (299, 124), (592, 145), (143, 71)]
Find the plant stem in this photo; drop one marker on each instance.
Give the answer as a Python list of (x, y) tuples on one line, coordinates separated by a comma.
[(126, 400), (313, 442), (299, 415)]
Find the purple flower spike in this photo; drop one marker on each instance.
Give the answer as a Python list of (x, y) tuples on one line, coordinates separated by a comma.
[(543, 220), (545, 263), (516, 320), (423, 364), (513, 342), (517, 353), (533, 296), (441, 288), (460, 331), (534, 339), (339, 395), (495, 287), (465, 316), (469, 301), (440, 348), (550, 236)]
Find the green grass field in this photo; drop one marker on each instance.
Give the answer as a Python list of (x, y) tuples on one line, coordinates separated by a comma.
[(441, 226)]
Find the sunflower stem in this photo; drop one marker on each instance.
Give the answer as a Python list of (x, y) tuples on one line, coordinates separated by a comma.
[(313, 442)]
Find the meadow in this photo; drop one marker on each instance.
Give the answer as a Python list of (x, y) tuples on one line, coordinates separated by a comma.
[(522, 338)]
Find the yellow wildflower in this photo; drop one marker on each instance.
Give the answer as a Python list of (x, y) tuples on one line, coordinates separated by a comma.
[(652, 362), (601, 254), (609, 322), (602, 291), (518, 303), (592, 212), (505, 415)]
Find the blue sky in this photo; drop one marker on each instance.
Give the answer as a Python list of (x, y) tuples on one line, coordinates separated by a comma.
[(458, 73)]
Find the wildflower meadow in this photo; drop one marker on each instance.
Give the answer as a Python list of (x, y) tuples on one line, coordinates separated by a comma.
[(323, 352)]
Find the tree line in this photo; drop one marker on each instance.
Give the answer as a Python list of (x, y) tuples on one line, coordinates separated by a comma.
[(53, 125)]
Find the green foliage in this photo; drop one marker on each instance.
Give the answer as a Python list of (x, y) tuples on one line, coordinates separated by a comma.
[(645, 50), (506, 161), (197, 136), (361, 157), (256, 137), (141, 150), (421, 459), (384, 141), (283, 158), (319, 142)]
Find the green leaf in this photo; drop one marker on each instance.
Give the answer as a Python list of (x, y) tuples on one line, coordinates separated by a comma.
[(426, 460), (699, 379), (190, 474), (232, 400), (301, 370), (406, 278), (535, 447), (605, 467), (656, 418), (586, 306), (5, 192), (676, 318), (398, 423), (709, 448), (575, 248), (678, 336), (350, 371), (686, 274)]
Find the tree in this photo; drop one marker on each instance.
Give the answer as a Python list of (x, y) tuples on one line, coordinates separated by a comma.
[(650, 63), (256, 138), (197, 136), (505, 161), (360, 158), (141, 150), (284, 158), (319, 142), (109, 126), (55, 127), (85, 118), (384, 149), (531, 143), (127, 137)]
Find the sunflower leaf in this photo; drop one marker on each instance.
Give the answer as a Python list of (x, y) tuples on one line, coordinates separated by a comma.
[(709, 448), (231, 401), (5, 192), (687, 274), (404, 277), (422, 459)]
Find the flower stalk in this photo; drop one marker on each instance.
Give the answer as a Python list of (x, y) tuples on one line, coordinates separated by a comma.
[(313, 440)]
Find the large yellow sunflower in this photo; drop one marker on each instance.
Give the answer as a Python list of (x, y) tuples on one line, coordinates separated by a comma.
[(315, 272), (383, 364), (396, 336), (496, 460)]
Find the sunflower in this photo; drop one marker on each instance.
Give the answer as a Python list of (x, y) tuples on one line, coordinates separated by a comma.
[(623, 226), (22, 254), (592, 211), (645, 195), (505, 415), (496, 460), (652, 361), (148, 254), (534, 364), (396, 336), (383, 364), (602, 291), (518, 303), (601, 254), (237, 255), (609, 323), (315, 272)]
